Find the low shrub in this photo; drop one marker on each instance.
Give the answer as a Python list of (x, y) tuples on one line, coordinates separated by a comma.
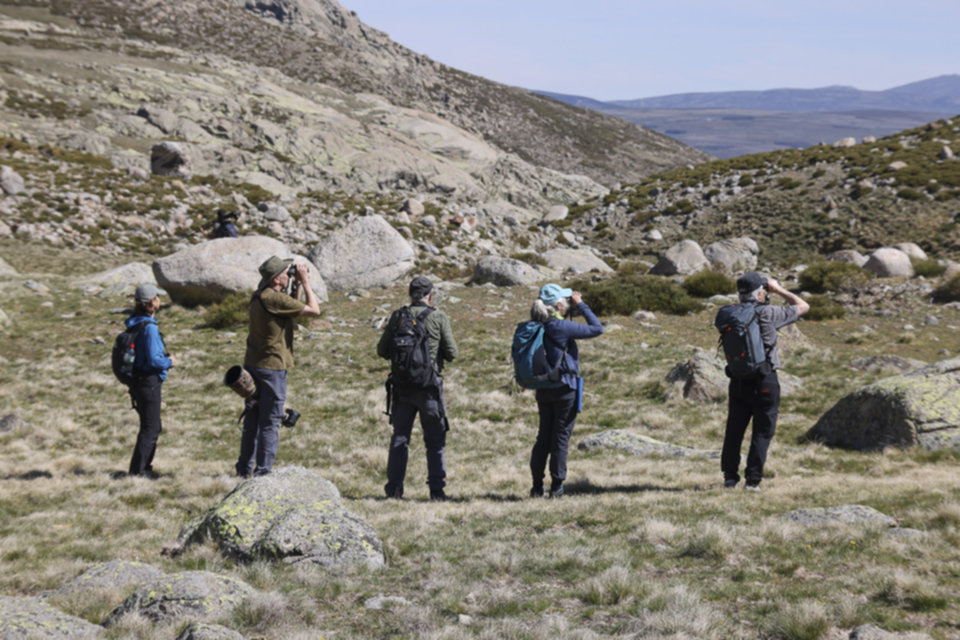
[(232, 311), (823, 308), (632, 250), (949, 291), (643, 217), (533, 259), (709, 283), (632, 268), (625, 294), (929, 268), (746, 181), (909, 194), (833, 276)]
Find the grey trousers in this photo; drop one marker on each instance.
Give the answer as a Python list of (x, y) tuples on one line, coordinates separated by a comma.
[(261, 425)]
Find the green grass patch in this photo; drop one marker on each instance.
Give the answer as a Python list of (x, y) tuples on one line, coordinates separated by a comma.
[(709, 283)]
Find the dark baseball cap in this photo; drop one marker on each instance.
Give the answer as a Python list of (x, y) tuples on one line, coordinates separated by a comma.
[(750, 282), (420, 287)]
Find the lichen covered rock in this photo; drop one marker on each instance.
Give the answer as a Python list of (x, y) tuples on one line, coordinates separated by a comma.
[(507, 272), (292, 515), (917, 408), (639, 445), (116, 574), (27, 618), (848, 514), (191, 593)]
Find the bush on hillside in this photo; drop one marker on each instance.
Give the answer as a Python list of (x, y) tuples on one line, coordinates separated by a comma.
[(533, 259), (823, 308), (232, 311), (929, 268), (949, 291), (833, 276), (709, 283), (623, 295)]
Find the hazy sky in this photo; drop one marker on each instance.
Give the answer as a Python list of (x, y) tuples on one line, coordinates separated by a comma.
[(626, 49)]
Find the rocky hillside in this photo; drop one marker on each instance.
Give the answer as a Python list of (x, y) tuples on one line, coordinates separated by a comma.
[(323, 43), (797, 204)]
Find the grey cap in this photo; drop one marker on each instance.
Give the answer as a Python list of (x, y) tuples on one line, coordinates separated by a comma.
[(146, 292), (420, 287)]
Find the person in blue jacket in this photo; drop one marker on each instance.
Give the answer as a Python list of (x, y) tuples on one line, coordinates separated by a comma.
[(149, 371), (558, 404)]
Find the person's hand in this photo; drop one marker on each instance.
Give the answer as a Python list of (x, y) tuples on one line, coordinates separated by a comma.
[(173, 360), (774, 287), (576, 298), (302, 273)]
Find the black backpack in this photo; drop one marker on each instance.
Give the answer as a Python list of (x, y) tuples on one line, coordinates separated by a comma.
[(125, 353), (411, 365), (739, 326)]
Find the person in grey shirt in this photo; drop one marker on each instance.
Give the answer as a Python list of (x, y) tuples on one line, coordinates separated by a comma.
[(757, 399)]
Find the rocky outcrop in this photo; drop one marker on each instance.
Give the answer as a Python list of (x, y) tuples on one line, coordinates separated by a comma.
[(889, 263), (368, 252), (200, 631), (681, 259), (848, 514), (640, 445), (28, 619), (575, 261), (911, 249), (6, 271), (116, 575), (120, 281), (917, 408), (291, 515), (848, 255), (507, 272), (169, 159), (198, 594), (732, 257), (212, 270)]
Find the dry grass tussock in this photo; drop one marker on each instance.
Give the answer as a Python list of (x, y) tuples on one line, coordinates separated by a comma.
[(640, 547)]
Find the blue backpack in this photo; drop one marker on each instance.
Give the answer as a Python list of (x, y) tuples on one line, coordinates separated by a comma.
[(531, 368), (739, 326)]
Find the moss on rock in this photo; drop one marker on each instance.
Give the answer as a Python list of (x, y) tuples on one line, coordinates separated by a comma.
[(917, 408), (292, 515), (28, 618)]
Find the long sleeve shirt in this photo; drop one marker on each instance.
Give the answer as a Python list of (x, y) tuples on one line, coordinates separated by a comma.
[(563, 334), (151, 354)]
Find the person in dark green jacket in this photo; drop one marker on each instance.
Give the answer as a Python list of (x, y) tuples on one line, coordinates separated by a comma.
[(407, 402)]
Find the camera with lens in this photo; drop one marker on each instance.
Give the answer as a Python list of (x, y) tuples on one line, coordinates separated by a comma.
[(290, 417)]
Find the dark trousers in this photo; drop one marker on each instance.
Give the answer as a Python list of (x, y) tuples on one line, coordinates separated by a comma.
[(145, 392), (558, 415), (757, 399), (429, 404), (261, 424)]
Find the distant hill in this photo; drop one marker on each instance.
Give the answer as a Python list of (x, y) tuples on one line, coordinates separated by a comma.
[(935, 95)]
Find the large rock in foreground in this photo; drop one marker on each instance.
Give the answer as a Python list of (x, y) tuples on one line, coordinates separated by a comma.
[(917, 408), (201, 631), (639, 445), (210, 271), (198, 594), (507, 272), (682, 259), (114, 575), (732, 257), (292, 515), (29, 619), (366, 253)]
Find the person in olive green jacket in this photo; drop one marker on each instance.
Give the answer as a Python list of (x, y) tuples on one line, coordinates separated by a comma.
[(427, 401), (269, 355)]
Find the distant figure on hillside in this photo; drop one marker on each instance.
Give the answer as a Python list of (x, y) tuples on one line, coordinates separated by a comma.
[(418, 339), (269, 355), (224, 226), (149, 371), (558, 404), (756, 395)]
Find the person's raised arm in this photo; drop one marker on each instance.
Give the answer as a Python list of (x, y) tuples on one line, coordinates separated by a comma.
[(792, 299), (312, 310)]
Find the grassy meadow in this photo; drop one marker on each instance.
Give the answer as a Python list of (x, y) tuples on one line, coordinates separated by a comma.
[(639, 547)]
